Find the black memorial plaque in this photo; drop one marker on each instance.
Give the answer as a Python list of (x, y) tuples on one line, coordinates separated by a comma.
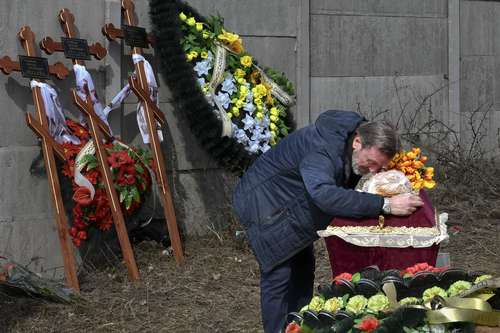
[(75, 48), (135, 36), (34, 67)]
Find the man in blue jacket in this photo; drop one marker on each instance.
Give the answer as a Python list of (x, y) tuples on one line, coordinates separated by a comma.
[(296, 188)]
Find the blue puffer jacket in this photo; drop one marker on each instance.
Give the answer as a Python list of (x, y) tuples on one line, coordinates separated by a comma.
[(296, 188)]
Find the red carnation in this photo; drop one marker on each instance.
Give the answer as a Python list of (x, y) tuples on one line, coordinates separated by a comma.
[(368, 324), (119, 158), (82, 196), (293, 327), (345, 276)]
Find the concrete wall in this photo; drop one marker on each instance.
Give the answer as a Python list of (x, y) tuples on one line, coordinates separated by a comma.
[(378, 57)]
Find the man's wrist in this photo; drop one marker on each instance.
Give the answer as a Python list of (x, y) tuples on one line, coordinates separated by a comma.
[(386, 208)]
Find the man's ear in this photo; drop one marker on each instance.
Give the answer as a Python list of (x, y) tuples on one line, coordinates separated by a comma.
[(356, 143)]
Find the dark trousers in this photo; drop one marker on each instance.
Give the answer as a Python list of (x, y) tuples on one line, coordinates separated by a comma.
[(286, 288)]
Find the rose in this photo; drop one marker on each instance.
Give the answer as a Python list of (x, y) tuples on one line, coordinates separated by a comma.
[(82, 196), (293, 327), (459, 286), (333, 304), (368, 324), (316, 303), (378, 303), (246, 61), (356, 304), (433, 292)]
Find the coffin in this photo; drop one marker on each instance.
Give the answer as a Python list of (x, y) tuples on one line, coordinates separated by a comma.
[(389, 242)]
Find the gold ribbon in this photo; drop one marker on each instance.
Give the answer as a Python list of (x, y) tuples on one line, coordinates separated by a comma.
[(456, 309)]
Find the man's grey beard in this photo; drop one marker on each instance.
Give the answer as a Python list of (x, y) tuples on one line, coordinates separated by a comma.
[(355, 167)]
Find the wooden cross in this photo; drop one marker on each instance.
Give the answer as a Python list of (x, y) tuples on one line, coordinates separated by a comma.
[(98, 128), (67, 20), (140, 87), (49, 147), (87, 107)]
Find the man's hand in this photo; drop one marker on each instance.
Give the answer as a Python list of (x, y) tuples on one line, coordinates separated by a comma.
[(405, 204)]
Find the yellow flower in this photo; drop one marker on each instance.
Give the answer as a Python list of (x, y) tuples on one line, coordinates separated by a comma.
[(316, 303), (261, 89), (199, 26), (204, 54), (416, 151), (205, 34), (411, 155), (241, 81), (272, 126), (259, 115), (239, 103), (236, 111), (333, 304), (275, 112), (192, 55), (229, 115), (228, 37), (273, 118), (239, 73), (182, 16), (418, 165), (191, 21), (246, 61), (429, 184), (243, 91)]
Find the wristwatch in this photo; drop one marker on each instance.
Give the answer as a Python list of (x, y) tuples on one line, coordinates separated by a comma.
[(386, 208)]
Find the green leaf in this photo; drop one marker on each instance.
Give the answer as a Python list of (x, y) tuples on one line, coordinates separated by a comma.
[(345, 298), (128, 201), (123, 195), (356, 277), (139, 168), (88, 159), (92, 165), (135, 194)]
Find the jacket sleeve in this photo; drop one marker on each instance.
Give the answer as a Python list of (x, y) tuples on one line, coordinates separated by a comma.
[(318, 174)]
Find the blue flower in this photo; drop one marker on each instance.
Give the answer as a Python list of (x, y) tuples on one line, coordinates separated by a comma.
[(249, 107), (265, 147), (249, 122), (223, 99), (228, 85), (241, 136), (202, 67), (253, 146), (201, 81)]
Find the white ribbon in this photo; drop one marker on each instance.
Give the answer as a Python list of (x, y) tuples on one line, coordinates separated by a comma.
[(83, 78), (153, 93), (80, 179), (55, 114)]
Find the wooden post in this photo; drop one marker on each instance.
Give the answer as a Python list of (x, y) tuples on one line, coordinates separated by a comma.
[(49, 147), (141, 89)]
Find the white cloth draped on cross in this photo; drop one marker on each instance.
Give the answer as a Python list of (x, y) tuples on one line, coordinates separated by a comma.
[(153, 92), (55, 114)]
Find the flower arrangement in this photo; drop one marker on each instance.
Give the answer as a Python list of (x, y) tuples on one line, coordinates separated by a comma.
[(240, 89), (412, 164), (374, 311), (131, 179)]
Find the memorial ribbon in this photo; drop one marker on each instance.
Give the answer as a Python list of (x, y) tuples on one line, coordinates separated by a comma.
[(55, 115)]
